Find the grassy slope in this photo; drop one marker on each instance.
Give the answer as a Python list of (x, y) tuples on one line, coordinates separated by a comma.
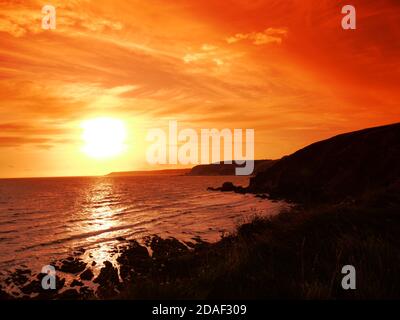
[(298, 254)]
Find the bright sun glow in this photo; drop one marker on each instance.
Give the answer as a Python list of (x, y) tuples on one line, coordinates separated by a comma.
[(103, 137)]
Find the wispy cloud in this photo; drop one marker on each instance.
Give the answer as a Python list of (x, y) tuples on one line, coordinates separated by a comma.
[(207, 53), (268, 36)]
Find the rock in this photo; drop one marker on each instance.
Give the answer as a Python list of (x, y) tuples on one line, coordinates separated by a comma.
[(19, 277), (198, 245), (86, 293), (75, 283), (87, 274), (70, 294), (106, 292), (108, 280), (228, 186), (133, 253), (167, 248), (35, 286), (4, 295), (108, 276), (72, 265), (240, 189), (134, 259)]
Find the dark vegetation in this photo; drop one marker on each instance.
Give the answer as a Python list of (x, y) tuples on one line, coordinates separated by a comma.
[(298, 254)]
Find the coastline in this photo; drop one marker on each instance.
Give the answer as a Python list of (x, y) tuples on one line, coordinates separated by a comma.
[(297, 254)]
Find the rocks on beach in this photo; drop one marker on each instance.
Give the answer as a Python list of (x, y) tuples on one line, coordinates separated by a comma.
[(72, 265), (76, 283), (35, 287), (134, 259), (108, 275), (229, 187), (169, 258), (87, 274)]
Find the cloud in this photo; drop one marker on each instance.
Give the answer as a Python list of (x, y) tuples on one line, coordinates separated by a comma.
[(268, 36), (21, 19), (211, 57), (12, 28), (28, 128), (207, 53), (208, 47), (18, 141), (43, 135)]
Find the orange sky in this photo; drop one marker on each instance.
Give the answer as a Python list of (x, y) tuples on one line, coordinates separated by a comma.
[(284, 68)]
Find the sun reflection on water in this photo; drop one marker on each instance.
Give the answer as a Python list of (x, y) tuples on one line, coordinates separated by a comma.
[(101, 211)]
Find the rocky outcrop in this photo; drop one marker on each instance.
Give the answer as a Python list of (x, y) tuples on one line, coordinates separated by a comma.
[(226, 169), (229, 187), (72, 265), (108, 276), (87, 274)]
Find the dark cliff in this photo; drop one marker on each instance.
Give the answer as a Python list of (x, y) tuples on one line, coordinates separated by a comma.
[(225, 169), (346, 165)]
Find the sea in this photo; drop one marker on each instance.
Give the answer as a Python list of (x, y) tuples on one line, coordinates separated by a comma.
[(46, 219)]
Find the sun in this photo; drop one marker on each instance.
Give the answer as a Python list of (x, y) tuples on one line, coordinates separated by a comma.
[(103, 137)]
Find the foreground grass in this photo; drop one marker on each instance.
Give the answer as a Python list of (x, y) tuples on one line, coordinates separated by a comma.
[(298, 254)]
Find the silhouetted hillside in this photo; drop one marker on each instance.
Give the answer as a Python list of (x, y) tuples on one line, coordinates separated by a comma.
[(346, 165), (225, 169)]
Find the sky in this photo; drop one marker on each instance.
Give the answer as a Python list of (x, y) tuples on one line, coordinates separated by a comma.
[(286, 69)]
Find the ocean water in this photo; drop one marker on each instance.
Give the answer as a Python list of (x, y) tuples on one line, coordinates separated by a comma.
[(45, 219)]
